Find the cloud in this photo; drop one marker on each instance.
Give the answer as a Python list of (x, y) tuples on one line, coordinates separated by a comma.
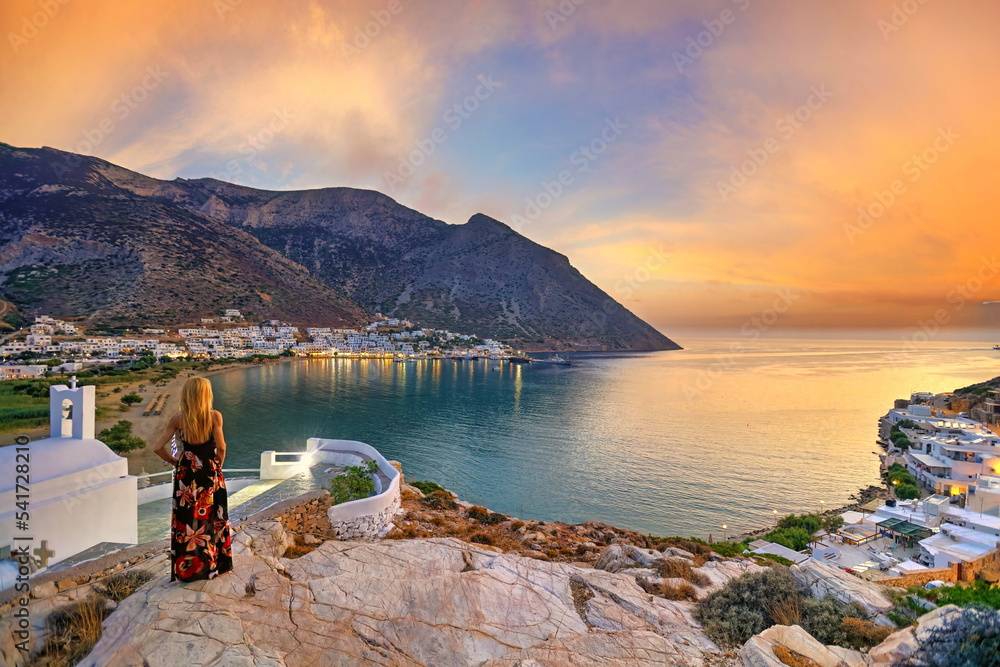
[(360, 86)]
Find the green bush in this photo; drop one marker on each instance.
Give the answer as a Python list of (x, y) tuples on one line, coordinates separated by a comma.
[(971, 639), (131, 399), (427, 487), (824, 619), (979, 593), (744, 606), (832, 524), (796, 539), (354, 483), (729, 549), (907, 492), (120, 439)]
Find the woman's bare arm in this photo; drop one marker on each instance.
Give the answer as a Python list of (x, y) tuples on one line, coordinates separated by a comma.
[(220, 440), (160, 448)]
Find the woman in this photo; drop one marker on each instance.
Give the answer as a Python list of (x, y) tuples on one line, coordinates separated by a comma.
[(200, 545)]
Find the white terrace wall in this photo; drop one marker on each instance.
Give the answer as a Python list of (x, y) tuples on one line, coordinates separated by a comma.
[(367, 517)]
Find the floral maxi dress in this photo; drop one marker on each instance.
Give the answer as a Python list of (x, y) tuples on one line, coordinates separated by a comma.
[(200, 546)]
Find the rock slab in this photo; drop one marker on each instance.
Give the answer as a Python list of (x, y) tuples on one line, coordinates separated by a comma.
[(407, 602)]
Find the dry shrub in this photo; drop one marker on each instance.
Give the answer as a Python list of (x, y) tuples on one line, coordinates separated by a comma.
[(793, 659), (786, 611), (581, 593), (120, 585), (73, 631), (299, 550), (679, 568), (439, 500), (438, 520), (516, 525), (552, 553), (413, 531), (648, 586), (483, 538), (683, 591), (863, 634), (701, 551), (505, 541), (457, 529)]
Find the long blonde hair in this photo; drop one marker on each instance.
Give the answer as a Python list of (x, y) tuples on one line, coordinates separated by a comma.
[(196, 410)]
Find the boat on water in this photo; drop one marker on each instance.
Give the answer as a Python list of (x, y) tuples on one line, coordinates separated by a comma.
[(996, 347), (556, 360)]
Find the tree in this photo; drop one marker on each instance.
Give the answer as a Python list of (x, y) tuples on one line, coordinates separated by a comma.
[(907, 492), (120, 439), (131, 399), (833, 523)]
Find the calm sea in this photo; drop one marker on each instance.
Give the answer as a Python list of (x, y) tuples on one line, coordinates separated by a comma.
[(669, 443)]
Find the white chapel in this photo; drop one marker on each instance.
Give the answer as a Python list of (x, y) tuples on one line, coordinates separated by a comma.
[(79, 493)]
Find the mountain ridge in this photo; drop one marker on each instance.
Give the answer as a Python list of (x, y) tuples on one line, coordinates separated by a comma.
[(340, 252)]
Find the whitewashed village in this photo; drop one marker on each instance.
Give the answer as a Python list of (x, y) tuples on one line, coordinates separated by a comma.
[(226, 337)]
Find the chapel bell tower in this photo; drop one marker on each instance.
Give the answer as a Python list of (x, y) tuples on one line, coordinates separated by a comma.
[(71, 411)]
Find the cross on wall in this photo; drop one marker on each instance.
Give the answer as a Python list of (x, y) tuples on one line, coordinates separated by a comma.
[(44, 553)]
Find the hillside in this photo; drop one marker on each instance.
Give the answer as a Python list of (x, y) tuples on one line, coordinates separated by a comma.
[(80, 235), (72, 241)]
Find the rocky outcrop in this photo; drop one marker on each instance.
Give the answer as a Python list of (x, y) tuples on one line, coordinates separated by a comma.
[(406, 602), (643, 566), (824, 579), (767, 649), (901, 645)]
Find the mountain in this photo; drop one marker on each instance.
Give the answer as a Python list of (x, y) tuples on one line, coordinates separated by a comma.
[(76, 240), (298, 255)]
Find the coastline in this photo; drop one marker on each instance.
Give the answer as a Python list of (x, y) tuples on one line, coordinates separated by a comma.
[(864, 495)]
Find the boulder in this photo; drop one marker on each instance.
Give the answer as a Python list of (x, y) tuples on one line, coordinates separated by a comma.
[(406, 602), (764, 650), (824, 579), (268, 538), (902, 644)]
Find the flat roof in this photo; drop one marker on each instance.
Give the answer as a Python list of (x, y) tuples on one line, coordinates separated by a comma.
[(850, 517), (930, 461), (972, 535), (960, 550), (779, 550), (987, 520)]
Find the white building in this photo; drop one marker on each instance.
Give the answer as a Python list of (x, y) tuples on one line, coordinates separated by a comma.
[(27, 372), (984, 495), (81, 493)]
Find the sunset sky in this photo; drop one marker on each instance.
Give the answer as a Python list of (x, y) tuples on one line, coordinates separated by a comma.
[(714, 155)]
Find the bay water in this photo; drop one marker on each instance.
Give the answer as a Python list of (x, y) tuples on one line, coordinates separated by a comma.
[(724, 432)]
